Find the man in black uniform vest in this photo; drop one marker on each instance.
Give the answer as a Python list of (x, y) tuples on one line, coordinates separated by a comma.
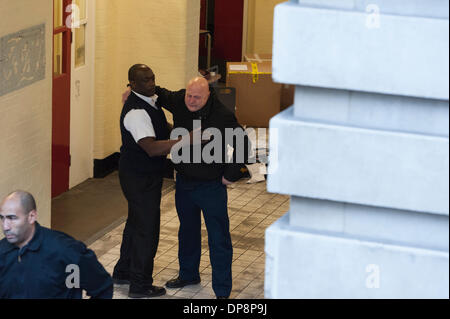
[(144, 148)]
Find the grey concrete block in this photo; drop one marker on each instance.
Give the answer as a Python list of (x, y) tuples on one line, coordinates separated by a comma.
[(360, 166), (397, 227), (417, 8), (337, 49), (376, 111), (304, 264)]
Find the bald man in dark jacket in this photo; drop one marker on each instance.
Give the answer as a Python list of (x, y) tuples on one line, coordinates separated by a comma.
[(202, 185)]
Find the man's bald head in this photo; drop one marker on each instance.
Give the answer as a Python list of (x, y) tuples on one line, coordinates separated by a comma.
[(18, 216), (25, 199), (198, 81), (197, 94)]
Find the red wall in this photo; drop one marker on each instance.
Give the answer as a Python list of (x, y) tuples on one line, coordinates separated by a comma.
[(229, 16), (203, 14)]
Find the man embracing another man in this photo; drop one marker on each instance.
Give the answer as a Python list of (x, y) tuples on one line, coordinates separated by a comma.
[(201, 182)]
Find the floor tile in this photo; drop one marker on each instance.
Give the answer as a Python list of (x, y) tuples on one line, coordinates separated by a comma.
[(251, 211)]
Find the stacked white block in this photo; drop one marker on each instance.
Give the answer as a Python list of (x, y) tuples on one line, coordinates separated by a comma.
[(364, 151)]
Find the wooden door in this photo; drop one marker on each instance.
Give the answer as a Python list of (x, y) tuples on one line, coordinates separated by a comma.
[(62, 35)]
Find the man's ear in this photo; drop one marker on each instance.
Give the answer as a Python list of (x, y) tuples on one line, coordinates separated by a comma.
[(32, 216)]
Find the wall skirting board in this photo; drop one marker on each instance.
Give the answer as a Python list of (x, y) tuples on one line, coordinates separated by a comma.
[(104, 167)]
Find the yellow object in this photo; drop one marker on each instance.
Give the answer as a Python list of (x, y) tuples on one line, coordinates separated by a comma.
[(255, 71)]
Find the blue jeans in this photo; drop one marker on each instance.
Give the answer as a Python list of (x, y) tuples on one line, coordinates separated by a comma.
[(210, 197)]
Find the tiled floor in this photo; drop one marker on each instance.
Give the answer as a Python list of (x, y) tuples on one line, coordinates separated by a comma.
[(84, 210), (251, 211)]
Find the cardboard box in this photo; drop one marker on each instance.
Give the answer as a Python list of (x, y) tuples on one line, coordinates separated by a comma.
[(287, 90), (257, 96), (258, 57)]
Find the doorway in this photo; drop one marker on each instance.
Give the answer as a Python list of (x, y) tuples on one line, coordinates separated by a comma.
[(224, 19), (73, 76)]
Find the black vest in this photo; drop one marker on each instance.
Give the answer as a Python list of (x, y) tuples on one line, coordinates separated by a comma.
[(133, 159)]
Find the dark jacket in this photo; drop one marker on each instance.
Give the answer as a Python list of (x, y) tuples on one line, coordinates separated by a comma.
[(213, 115), (133, 159), (40, 269)]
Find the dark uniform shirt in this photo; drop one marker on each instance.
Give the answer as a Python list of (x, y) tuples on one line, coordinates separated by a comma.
[(44, 269), (213, 115)]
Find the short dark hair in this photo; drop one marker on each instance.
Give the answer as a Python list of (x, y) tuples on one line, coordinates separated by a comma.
[(132, 72), (26, 200)]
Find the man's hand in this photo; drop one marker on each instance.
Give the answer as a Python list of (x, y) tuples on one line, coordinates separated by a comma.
[(125, 95), (225, 181)]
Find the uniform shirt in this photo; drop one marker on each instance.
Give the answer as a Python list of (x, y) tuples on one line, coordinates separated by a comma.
[(46, 268), (147, 121), (138, 122)]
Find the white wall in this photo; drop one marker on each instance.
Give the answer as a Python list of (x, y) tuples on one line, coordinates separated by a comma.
[(161, 34), (260, 25), (26, 114)]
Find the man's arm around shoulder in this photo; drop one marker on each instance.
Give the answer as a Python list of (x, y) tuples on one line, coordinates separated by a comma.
[(169, 99)]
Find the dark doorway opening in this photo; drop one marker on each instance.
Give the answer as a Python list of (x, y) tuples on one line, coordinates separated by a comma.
[(222, 20)]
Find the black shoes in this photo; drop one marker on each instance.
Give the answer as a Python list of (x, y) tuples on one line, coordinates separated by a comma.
[(154, 291), (180, 283), (222, 297)]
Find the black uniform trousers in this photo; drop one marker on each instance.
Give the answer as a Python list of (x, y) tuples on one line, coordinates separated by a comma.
[(141, 233), (211, 197)]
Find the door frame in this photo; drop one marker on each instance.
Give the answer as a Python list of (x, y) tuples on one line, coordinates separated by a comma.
[(82, 112), (245, 30), (61, 91)]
